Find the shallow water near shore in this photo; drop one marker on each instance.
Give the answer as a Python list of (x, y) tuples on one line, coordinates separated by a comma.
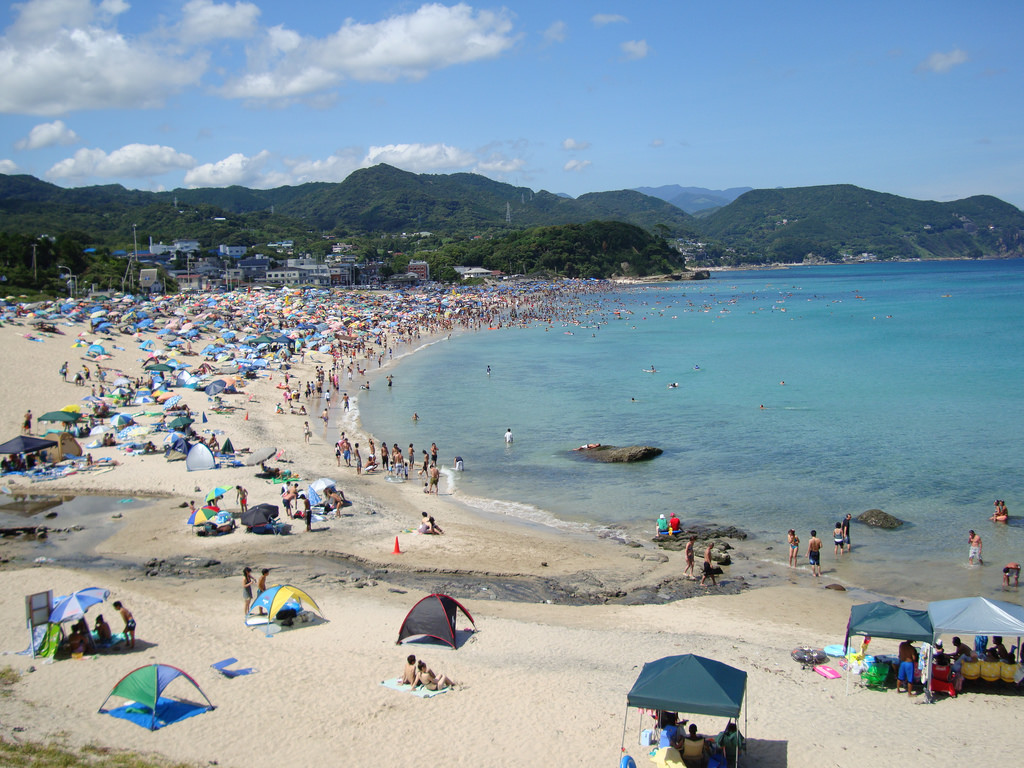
[(882, 385)]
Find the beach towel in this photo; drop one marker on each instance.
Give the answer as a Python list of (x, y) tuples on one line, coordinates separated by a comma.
[(423, 693), (222, 667)]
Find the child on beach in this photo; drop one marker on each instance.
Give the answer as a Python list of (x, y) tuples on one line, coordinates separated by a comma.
[(129, 622), (794, 547)]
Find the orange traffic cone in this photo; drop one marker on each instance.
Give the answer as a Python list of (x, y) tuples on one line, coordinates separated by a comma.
[(246, 415), (398, 550)]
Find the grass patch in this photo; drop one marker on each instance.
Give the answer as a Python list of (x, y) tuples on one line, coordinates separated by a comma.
[(33, 755), (8, 677)]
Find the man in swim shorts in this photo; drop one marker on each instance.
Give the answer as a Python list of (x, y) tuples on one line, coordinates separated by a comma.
[(974, 540), (814, 553), (846, 530), (908, 660), (1012, 570)]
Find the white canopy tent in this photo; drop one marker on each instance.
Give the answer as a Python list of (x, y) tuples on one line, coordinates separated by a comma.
[(976, 616)]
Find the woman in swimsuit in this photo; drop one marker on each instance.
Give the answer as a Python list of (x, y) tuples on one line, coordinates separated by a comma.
[(794, 547), (837, 538)]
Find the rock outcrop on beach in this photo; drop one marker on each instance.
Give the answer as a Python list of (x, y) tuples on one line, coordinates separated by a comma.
[(628, 454), (879, 519)]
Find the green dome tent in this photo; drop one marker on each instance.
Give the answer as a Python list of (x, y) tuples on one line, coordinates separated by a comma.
[(150, 709)]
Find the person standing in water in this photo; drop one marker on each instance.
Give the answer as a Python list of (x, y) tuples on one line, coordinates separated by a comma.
[(508, 436), (814, 553)]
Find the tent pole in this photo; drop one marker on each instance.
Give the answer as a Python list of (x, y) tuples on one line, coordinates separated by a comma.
[(622, 744)]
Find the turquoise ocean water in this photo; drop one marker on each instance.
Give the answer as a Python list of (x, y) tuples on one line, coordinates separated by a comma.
[(902, 390)]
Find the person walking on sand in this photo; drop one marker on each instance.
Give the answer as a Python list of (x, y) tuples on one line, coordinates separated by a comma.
[(688, 571), (358, 458), (814, 553), (974, 541), (242, 496), (306, 431), (709, 567), (248, 583), (435, 475), (129, 623), (26, 426)]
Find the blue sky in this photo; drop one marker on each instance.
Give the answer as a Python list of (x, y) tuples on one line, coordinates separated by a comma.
[(921, 99)]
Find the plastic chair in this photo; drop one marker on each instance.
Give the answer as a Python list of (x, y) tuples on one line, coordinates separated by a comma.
[(876, 676), (940, 681)]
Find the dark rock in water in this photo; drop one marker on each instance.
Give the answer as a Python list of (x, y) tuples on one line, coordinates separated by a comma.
[(879, 519), (836, 587), (630, 453)]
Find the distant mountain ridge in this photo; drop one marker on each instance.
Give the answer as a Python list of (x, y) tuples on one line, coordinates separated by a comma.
[(694, 199), (377, 199), (821, 223), (840, 220)]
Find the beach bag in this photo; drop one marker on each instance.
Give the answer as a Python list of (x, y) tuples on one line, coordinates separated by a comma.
[(648, 737)]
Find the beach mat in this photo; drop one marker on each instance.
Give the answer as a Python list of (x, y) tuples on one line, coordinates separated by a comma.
[(423, 693)]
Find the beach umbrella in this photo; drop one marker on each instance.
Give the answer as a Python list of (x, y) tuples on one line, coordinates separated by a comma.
[(65, 417), (203, 515), (73, 408), (180, 422), (172, 401), (216, 493), (119, 420), (260, 455), (216, 387), (73, 607), (159, 368)]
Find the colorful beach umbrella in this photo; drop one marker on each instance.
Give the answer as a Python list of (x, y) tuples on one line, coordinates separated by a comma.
[(203, 515), (217, 493)]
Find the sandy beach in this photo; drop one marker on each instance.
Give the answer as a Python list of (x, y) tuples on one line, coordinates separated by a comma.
[(543, 680)]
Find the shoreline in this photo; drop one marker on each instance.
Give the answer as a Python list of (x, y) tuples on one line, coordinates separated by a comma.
[(555, 672)]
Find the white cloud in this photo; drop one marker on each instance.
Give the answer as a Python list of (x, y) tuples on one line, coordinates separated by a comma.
[(572, 145), (334, 168), (205, 20), (576, 165), (635, 49), (64, 55), (943, 62), (8, 166), (420, 158), (555, 33), (603, 19), (501, 166), (47, 135), (657, 142), (234, 169), (131, 160), (408, 46)]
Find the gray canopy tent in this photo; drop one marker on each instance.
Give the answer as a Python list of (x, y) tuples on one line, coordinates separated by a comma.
[(691, 684)]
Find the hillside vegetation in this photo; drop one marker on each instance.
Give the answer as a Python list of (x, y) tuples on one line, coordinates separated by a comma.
[(829, 222)]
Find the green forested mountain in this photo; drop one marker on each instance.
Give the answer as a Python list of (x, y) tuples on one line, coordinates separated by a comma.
[(597, 249), (380, 199), (829, 222)]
